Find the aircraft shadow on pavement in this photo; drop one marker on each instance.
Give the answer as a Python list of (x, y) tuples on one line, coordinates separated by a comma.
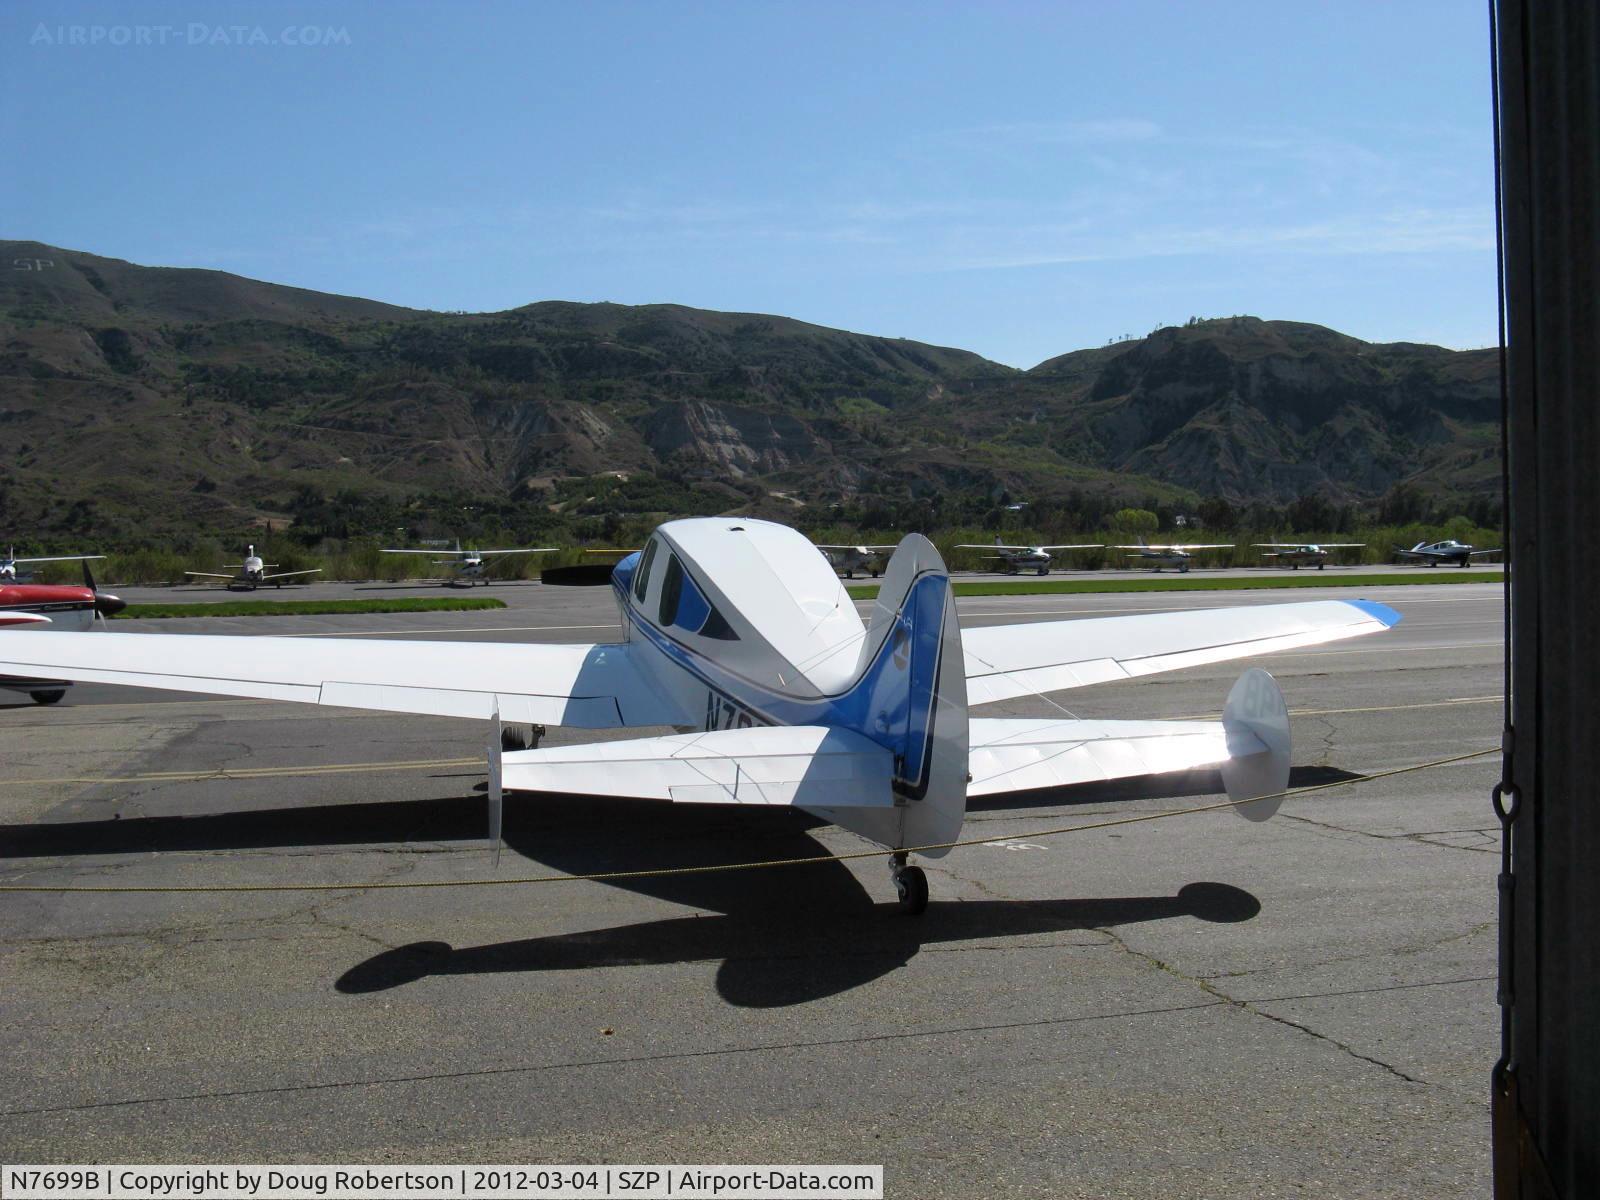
[(781, 936), (804, 935)]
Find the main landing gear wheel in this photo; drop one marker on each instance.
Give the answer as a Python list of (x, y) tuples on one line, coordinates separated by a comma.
[(911, 885), (55, 694)]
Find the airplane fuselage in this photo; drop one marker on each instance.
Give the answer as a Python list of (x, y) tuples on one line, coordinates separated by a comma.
[(1156, 559), (1013, 561), (1305, 556)]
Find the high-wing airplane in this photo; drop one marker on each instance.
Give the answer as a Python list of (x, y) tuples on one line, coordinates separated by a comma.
[(739, 634), (1014, 558), (851, 559), (467, 565), (1434, 553), (1170, 556), (63, 608), (1303, 554), (252, 572), (10, 563)]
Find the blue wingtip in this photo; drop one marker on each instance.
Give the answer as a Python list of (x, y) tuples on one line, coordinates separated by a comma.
[(1381, 612)]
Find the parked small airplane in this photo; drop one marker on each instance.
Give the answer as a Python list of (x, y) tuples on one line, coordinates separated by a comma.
[(469, 564), (10, 563), (1170, 556), (1434, 553), (1014, 558), (252, 572), (59, 608), (851, 559), (740, 634), (1304, 554)]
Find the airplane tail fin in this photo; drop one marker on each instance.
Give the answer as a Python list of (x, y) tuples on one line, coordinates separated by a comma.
[(910, 696)]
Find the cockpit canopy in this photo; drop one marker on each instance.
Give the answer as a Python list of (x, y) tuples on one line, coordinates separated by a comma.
[(733, 580)]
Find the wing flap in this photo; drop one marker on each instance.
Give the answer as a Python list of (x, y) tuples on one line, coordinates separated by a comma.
[(797, 765), (1007, 661), (584, 686)]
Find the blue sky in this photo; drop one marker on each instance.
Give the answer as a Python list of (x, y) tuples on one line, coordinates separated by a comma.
[(1015, 179)]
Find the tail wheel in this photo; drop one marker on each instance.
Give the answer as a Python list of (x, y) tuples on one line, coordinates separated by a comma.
[(912, 886)]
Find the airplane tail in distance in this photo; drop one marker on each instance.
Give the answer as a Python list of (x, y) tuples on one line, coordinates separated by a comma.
[(910, 696)]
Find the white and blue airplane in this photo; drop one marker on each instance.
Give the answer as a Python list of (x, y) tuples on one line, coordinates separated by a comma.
[(739, 635)]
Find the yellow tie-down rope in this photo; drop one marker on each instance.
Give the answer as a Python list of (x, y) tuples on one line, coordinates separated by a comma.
[(660, 872)]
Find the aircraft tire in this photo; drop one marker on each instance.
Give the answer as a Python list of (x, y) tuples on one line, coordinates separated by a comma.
[(1462, 563), (47, 695), (1322, 566), (912, 886), (1044, 570)]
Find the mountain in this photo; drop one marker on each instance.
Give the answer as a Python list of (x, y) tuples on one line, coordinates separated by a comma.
[(181, 398)]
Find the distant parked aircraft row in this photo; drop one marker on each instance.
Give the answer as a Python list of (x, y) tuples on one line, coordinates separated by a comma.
[(470, 565)]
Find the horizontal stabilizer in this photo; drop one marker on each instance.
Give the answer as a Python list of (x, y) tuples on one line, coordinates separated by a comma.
[(805, 765), (1012, 755)]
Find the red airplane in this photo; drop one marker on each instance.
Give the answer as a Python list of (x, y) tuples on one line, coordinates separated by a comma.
[(70, 608)]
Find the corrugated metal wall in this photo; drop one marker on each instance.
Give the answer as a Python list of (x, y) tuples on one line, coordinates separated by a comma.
[(1547, 1127)]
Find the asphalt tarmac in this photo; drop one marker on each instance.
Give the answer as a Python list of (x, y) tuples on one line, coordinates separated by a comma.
[(1192, 1007)]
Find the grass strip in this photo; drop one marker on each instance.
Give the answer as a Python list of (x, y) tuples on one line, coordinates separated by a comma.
[(290, 608), (1188, 583)]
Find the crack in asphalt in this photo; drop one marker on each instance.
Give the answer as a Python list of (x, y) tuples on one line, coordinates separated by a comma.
[(1250, 1006), (1422, 839)]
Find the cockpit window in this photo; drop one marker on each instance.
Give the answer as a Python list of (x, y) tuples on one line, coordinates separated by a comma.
[(682, 604), (671, 591), (716, 626), (641, 581)]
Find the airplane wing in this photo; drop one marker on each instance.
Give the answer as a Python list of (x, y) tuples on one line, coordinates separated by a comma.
[(524, 550), (1010, 755), (209, 575), (585, 686), (435, 550), (809, 765), (60, 558), (989, 546), (1007, 661), (1473, 554), (291, 574), (1078, 546)]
